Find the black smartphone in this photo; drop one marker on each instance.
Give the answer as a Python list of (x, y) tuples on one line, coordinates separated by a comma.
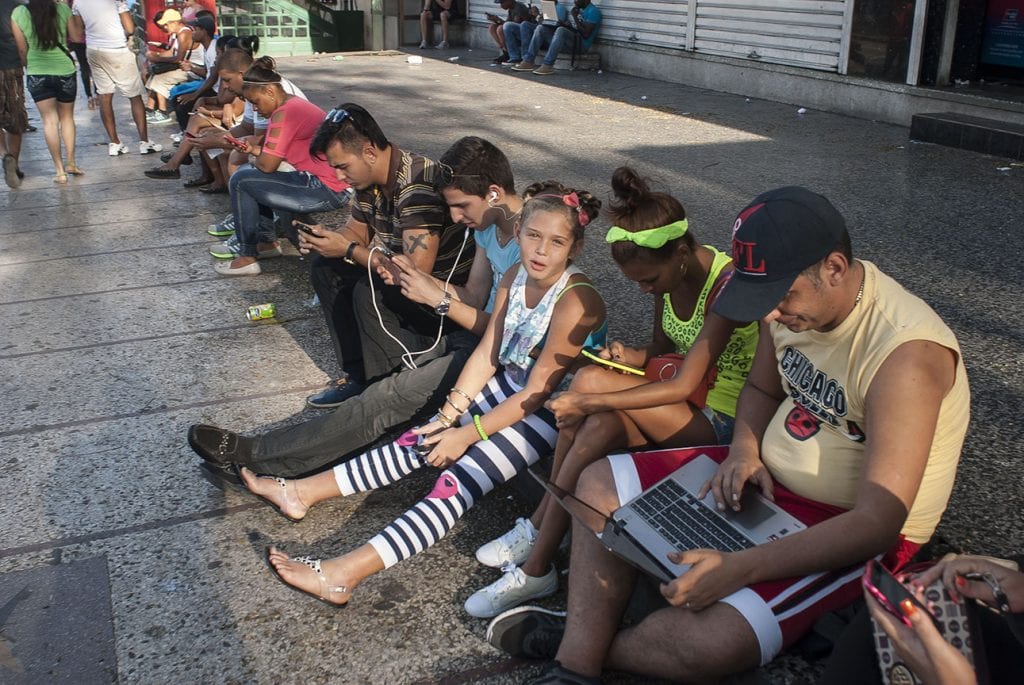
[(305, 228), (890, 592)]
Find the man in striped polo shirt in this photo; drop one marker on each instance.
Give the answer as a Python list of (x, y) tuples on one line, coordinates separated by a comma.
[(398, 209)]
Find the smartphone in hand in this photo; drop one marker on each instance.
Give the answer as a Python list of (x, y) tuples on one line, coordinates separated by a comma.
[(890, 592), (237, 143), (593, 356), (305, 228)]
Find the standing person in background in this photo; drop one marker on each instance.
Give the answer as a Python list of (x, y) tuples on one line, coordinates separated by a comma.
[(78, 47), (40, 31), (13, 117), (516, 12), (106, 26)]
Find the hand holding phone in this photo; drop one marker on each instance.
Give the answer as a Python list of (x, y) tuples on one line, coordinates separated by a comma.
[(890, 592), (305, 228), (236, 143)]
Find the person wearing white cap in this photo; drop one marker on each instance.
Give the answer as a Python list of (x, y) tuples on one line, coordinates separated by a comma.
[(852, 419), (166, 66)]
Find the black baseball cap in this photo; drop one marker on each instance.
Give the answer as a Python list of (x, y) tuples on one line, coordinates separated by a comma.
[(206, 23), (775, 238)]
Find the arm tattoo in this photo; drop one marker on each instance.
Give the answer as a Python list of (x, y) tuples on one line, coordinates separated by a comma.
[(416, 242)]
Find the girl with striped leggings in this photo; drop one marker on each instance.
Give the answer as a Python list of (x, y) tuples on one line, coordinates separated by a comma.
[(492, 424)]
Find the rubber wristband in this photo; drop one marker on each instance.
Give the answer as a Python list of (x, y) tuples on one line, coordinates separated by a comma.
[(480, 428)]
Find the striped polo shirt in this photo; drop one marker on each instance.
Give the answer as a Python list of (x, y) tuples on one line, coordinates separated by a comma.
[(412, 200)]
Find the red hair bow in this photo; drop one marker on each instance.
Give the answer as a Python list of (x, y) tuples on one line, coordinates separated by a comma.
[(573, 200)]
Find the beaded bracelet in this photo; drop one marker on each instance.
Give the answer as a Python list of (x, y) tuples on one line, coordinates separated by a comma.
[(480, 428)]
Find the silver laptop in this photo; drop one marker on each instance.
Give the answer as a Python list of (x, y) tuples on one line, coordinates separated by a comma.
[(668, 517), (549, 12)]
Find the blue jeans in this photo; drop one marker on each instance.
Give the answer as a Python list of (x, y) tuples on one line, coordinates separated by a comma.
[(558, 40), (517, 36), (289, 191)]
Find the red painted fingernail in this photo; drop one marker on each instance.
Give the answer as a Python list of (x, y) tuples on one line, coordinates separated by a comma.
[(961, 581), (908, 608)]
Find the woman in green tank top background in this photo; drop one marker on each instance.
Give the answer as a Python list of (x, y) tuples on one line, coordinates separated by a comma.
[(605, 410)]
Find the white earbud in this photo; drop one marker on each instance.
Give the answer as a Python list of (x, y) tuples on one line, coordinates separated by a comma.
[(493, 197)]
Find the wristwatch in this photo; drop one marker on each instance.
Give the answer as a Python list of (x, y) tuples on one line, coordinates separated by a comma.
[(348, 253), (444, 305)]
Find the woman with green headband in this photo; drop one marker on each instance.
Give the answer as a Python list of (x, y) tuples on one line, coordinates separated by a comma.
[(605, 411)]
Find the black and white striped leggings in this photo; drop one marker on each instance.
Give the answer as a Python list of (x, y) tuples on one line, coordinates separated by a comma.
[(486, 464)]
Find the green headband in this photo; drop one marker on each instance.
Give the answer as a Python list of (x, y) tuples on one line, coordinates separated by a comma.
[(652, 237)]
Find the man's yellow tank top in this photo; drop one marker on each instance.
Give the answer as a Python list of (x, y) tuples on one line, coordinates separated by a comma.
[(814, 445), (734, 362)]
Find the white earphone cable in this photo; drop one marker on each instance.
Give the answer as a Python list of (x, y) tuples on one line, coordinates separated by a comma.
[(408, 356)]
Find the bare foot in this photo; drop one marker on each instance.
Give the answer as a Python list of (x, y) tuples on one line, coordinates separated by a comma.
[(283, 494), (310, 576)]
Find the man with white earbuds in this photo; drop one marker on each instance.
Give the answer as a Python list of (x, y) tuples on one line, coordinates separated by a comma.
[(479, 189)]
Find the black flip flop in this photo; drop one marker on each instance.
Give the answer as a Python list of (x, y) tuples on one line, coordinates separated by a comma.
[(197, 182), (214, 190)]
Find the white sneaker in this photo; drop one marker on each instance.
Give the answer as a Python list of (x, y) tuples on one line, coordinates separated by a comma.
[(443, 45), (423, 45), (511, 590), (512, 547), (145, 147), (176, 137), (115, 149)]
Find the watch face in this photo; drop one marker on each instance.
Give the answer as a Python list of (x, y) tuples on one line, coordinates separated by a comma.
[(442, 308)]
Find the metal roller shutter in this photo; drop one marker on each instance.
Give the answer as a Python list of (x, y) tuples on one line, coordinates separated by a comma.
[(645, 22), (803, 33)]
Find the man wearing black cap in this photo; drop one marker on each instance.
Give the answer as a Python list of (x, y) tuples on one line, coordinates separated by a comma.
[(203, 31), (852, 419)]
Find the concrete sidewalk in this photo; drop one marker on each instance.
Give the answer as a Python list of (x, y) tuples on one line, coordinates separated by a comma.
[(117, 562)]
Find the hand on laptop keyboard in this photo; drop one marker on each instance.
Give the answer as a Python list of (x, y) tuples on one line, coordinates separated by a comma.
[(735, 472)]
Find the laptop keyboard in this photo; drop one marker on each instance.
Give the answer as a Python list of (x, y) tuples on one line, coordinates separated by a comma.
[(685, 521)]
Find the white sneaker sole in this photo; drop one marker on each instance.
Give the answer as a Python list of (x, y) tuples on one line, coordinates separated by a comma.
[(520, 610)]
